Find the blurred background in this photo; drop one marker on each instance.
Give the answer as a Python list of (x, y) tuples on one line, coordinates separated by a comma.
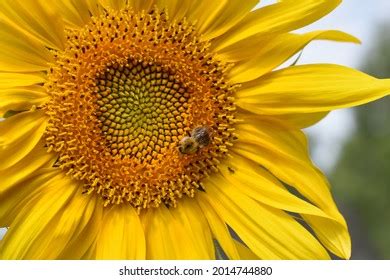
[(353, 146)]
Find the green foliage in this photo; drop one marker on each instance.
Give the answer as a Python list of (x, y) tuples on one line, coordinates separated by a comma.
[(361, 178)]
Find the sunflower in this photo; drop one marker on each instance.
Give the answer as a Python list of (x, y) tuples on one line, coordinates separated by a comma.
[(165, 129)]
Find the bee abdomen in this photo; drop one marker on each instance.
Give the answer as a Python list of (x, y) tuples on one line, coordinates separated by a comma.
[(201, 135)]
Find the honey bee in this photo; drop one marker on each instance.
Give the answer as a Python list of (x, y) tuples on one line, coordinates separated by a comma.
[(200, 138)]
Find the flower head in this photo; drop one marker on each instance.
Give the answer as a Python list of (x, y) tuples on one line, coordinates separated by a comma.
[(151, 129)]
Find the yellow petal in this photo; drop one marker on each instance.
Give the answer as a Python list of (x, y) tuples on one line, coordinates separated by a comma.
[(272, 53), (162, 235), (18, 125), (20, 53), (299, 120), (83, 242), (94, 8), (217, 17), (334, 236), (285, 43), (38, 158), (141, 5), (77, 13), (189, 214), (277, 18), (290, 147), (270, 233), (13, 200), (22, 98), (35, 18), (303, 120), (138, 5), (169, 237), (309, 89), (40, 214), (283, 151), (121, 236), (11, 80), (90, 254), (54, 239), (19, 135), (114, 4), (176, 9), (260, 185), (204, 12), (219, 229), (244, 252)]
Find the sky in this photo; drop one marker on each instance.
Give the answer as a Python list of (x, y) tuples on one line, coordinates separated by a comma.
[(359, 18)]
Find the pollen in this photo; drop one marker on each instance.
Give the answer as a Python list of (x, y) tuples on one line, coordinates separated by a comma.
[(125, 90)]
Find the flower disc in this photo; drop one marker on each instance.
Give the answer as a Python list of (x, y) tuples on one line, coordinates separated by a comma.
[(124, 91)]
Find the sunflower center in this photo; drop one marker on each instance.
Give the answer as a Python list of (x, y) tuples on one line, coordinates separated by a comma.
[(140, 109)]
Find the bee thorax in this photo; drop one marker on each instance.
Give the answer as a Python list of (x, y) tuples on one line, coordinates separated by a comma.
[(188, 145)]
